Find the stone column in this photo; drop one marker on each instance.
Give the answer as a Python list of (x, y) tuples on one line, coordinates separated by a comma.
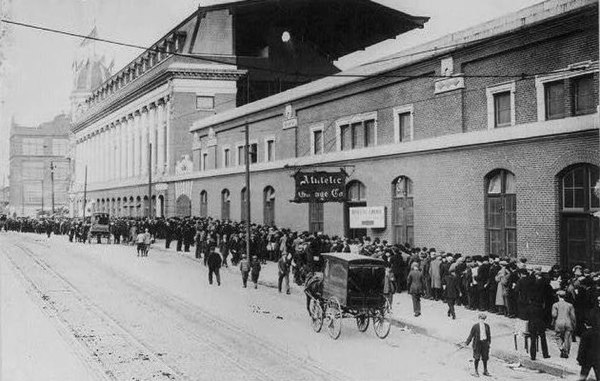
[(130, 145), (123, 149), (160, 144), (145, 130), (168, 153), (136, 143), (109, 152), (152, 136)]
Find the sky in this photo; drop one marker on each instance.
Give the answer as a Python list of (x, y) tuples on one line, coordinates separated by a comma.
[(36, 67)]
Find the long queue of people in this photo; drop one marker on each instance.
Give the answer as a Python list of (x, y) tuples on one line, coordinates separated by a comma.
[(567, 301)]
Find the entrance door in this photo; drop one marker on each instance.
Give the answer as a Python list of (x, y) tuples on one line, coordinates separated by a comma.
[(184, 206), (357, 197), (580, 229), (403, 211)]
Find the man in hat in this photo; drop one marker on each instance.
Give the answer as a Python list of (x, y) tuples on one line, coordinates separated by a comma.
[(283, 267), (588, 356), (245, 269), (414, 284), (481, 336), (255, 270), (563, 320), (214, 265)]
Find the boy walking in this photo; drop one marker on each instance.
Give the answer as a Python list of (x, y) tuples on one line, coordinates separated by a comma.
[(255, 270), (563, 320), (244, 269), (482, 338)]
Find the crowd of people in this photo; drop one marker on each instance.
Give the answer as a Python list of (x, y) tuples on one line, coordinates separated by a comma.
[(566, 300)]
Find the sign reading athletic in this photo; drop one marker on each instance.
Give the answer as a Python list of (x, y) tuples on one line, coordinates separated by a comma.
[(320, 186)]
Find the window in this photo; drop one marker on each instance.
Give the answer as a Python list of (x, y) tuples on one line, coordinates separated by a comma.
[(403, 123), (269, 144), (225, 204), (33, 146), (583, 95), (501, 213), (205, 102), (253, 153), (33, 170), (32, 192), (358, 135), (269, 206), (226, 157), (502, 109), (317, 140), (203, 204), (60, 147), (501, 105), (316, 217), (403, 211), (554, 98), (579, 228), (240, 155), (356, 197), (204, 160)]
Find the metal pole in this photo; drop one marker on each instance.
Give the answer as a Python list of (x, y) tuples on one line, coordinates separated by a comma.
[(150, 181), (85, 193), (42, 196), (52, 183), (247, 154)]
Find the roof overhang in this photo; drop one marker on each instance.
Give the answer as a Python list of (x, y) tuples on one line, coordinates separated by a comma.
[(336, 27)]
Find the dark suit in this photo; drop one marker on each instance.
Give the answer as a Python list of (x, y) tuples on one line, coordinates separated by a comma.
[(481, 348), (414, 283), (451, 292)]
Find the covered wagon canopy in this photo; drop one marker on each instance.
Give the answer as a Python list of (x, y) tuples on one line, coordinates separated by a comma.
[(335, 27), (354, 259)]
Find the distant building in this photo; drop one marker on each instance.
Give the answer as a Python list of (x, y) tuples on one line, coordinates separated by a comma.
[(39, 167)]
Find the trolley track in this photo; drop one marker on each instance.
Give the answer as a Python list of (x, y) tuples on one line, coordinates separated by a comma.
[(266, 360)]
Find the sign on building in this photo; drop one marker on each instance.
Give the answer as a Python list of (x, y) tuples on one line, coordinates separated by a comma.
[(320, 186), (367, 217)]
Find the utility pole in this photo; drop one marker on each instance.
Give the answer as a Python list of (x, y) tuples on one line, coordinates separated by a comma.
[(247, 149), (150, 180), (42, 196), (52, 183), (85, 193)]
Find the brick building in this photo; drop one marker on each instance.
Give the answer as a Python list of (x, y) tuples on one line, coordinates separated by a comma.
[(482, 142), (135, 125), (39, 167)]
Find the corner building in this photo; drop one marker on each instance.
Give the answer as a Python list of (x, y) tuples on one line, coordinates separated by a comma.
[(135, 125), (482, 142)]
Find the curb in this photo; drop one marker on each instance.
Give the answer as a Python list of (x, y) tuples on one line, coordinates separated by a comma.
[(507, 356)]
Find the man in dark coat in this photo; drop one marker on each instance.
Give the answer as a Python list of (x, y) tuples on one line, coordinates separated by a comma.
[(483, 276), (536, 322), (451, 291), (214, 265), (482, 339), (397, 264), (414, 284), (588, 356)]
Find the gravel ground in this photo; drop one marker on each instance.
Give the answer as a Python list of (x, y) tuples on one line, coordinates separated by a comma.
[(157, 318)]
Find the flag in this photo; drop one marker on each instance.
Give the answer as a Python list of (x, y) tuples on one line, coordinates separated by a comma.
[(90, 37)]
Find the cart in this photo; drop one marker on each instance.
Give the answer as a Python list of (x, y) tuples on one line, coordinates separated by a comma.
[(351, 286)]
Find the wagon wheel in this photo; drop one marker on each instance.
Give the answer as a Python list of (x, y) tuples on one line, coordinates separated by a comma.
[(362, 322), (382, 320), (316, 314), (333, 314)]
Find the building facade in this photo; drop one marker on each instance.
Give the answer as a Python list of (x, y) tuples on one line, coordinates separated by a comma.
[(39, 168), (133, 129), (483, 142)]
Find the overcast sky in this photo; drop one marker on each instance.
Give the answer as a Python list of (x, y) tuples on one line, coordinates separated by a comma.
[(36, 75)]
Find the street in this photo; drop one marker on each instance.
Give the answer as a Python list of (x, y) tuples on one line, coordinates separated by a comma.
[(121, 317)]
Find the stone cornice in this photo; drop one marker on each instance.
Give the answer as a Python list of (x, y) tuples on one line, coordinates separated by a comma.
[(148, 82)]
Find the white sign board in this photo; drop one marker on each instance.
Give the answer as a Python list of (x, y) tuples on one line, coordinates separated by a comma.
[(367, 217)]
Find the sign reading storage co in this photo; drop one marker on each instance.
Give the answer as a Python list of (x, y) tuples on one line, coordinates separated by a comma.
[(320, 186), (367, 217)]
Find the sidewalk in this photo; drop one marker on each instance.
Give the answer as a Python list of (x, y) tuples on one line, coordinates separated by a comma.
[(434, 323)]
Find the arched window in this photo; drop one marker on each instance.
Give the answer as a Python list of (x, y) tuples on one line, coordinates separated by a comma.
[(244, 205), (356, 197), (203, 204), (183, 206), (403, 211), (501, 213), (579, 229), (225, 204), (146, 207), (269, 206)]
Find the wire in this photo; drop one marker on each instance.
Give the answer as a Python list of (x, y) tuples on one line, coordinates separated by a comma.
[(210, 58)]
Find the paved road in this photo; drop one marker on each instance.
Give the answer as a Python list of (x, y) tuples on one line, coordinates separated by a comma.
[(156, 318)]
